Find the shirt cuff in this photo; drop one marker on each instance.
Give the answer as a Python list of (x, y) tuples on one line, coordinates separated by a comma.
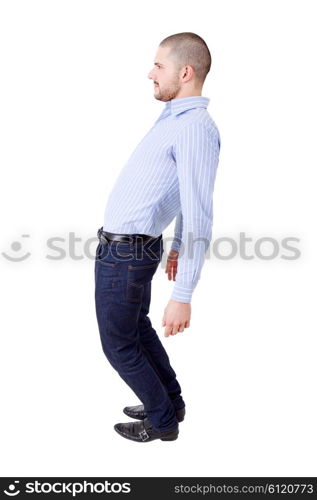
[(182, 293), (176, 244)]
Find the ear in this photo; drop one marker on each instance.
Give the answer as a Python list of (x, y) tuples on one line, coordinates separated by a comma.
[(188, 73)]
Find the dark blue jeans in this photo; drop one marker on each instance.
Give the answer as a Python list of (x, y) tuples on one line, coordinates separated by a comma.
[(123, 275)]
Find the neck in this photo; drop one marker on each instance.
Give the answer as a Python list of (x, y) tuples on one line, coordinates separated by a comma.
[(188, 93)]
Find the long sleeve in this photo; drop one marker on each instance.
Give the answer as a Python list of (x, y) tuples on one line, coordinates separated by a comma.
[(178, 231), (196, 151)]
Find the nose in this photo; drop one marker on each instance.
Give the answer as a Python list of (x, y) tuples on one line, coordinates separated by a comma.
[(152, 74)]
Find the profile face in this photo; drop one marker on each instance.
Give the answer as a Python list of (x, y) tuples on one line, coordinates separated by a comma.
[(165, 76)]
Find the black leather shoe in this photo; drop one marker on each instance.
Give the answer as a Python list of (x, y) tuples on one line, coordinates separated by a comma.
[(142, 432), (139, 413)]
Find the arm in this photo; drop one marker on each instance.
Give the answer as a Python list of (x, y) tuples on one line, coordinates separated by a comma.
[(178, 231), (171, 264), (196, 151)]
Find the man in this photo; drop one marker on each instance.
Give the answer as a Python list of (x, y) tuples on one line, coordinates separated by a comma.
[(170, 173)]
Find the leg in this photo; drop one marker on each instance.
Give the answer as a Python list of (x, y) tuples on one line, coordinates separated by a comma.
[(118, 305), (156, 353)]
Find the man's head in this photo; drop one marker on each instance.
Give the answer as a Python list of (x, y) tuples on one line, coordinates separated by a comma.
[(181, 65)]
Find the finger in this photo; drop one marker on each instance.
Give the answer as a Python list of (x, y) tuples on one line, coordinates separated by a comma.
[(174, 273), (169, 330), (169, 271), (175, 329), (175, 270)]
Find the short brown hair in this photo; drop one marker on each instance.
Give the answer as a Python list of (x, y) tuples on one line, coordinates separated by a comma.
[(189, 48)]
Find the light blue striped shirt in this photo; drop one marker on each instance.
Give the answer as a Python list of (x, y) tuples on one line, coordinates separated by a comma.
[(171, 173)]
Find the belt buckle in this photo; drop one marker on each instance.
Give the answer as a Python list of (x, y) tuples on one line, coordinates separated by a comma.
[(102, 238)]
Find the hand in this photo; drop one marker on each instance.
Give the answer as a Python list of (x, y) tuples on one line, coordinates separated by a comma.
[(176, 317), (171, 264)]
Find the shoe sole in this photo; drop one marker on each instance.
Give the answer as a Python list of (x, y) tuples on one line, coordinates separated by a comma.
[(168, 437), (137, 417)]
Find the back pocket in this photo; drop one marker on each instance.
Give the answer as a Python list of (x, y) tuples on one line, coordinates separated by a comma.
[(138, 276)]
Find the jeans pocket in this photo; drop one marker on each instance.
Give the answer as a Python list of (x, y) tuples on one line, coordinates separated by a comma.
[(106, 277), (137, 277), (134, 292), (104, 258)]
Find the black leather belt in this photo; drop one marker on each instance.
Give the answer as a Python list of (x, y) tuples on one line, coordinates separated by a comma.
[(105, 237)]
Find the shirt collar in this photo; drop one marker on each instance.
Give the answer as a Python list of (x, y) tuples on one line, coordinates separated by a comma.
[(180, 104)]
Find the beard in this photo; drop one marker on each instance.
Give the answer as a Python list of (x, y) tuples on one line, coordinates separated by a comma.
[(168, 92)]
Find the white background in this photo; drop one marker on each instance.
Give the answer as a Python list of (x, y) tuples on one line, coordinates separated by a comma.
[(75, 101)]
